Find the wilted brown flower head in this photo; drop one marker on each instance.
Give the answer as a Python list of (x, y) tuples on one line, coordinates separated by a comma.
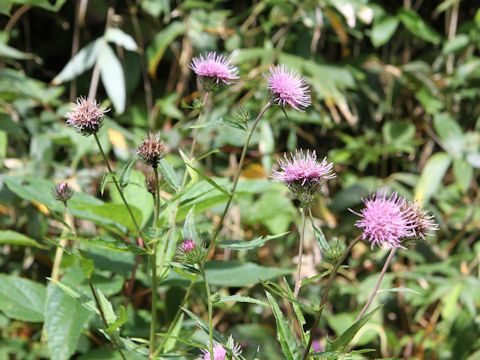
[(423, 223), (62, 192), (152, 150), (86, 116)]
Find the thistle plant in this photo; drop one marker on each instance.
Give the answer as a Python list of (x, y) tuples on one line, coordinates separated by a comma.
[(303, 176)]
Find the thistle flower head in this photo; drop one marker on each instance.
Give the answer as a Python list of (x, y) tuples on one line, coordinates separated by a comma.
[(423, 223), (287, 87), (385, 221), (220, 353), (152, 150), (62, 192), (303, 174), (214, 70), (86, 116), (191, 252)]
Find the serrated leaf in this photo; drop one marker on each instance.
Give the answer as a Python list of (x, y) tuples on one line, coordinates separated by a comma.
[(113, 79), (169, 175), (121, 319), (9, 237), (340, 343), (22, 299), (284, 332), (252, 244)]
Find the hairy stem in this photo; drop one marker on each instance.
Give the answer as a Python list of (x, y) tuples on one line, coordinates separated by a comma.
[(195, 132), (210, 312), (318, 316), (57, 260), (153, 264), (120, 191), (237, 176), (377, 285), (298, 283)]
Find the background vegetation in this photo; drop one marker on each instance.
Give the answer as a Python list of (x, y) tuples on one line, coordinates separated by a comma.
[(396, 91)]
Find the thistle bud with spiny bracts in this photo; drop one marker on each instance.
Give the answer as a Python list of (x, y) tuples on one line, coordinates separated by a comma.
[(152, 150), (62, 192), (423, 223), (191, 252), (86, 116)]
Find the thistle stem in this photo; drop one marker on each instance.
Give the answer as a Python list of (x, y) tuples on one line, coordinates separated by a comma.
[(115, 181), (153, 264), (195, 133), (210, 312), (377, 285), (298, 283), (237, 176), (57, 260), (325, 295)]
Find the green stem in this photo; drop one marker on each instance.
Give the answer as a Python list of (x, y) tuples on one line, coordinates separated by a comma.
[(139, 231), (237, 176), (298, 283), (377, 285), (153, 264), (102, 315), (210, 312), (195, 133), (325, 295)]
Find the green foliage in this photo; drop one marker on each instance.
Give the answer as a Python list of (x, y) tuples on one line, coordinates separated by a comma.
[(395, 94)]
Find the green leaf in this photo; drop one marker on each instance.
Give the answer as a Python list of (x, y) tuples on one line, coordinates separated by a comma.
[(160, 43), (125, 173), (243, 299), (450, 133), (463, 172), (120, 38), (344, 340), (170, 175), (9, 237), (234, 274), (431, 177), (12, 53), (121, 319), (284, 332), (399, 133), (457, 44), (209, 180), (22, 299), (189, 231), (252, 244), (383, 30), (203, 325), (84, 60), (113, 79), (65, 319), (415, 24)]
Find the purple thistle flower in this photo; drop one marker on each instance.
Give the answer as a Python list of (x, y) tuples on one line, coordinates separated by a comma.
[(385, 221), (302, 168), (303, 175), (188, 246), (287, 87), (62, 192), (219, 352), (86, 116), (214, 70)]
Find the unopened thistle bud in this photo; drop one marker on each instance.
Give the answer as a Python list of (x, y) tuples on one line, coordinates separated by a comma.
[(191, 252), (152, 150), (150, 183), (62, 192), (86, 116), (303, 175)]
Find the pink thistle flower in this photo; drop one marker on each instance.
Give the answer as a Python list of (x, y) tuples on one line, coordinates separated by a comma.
[(303, 174), (385, 221), (213, 70), (188, 246), (86, 116), (62, 192), (287, 87), (219, 352)]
